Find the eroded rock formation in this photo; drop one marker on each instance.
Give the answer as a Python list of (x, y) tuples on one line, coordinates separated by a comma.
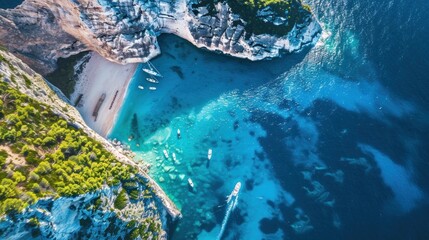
[(124, 31)]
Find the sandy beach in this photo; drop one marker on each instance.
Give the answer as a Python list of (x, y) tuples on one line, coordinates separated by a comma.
[(101, 77)]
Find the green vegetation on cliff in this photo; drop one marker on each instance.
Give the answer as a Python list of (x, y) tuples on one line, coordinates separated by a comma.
[(42, 155)]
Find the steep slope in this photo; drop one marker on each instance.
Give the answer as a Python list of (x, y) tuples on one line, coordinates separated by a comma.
[(47, 152)]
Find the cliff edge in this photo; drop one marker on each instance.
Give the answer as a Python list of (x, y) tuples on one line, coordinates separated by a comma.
[(125, 31)]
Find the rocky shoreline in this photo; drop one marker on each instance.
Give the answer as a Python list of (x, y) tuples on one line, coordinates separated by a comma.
[(39, 32)]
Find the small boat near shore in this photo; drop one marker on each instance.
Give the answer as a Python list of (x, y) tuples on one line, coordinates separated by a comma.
[(140, 87), (152, 88), (178, 133), (151, 70), (174, 157), (209, 154), (152, 80), (191, 183), (165, 153)]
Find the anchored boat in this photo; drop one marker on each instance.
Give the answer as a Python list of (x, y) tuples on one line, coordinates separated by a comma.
[(191, 184), (151, 70), (165, 153), (209, 154), (152, 80)]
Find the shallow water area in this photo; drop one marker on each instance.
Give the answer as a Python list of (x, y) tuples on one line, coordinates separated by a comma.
[(202, 96), (325, 146)]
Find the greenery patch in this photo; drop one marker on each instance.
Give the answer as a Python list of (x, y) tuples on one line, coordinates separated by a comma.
[(60, 160)]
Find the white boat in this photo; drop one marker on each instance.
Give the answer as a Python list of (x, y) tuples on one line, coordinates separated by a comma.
[(151, 70), (174, 157), (140, 87), (234, 192), (165, 153), (178, 133), (209, 154), (190, 182), (152, 88), (152, 80)]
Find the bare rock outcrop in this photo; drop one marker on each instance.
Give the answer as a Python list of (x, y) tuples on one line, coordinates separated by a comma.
[(125, 31)]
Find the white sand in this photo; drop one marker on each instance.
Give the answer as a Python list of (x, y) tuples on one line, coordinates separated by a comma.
[(102, 76)]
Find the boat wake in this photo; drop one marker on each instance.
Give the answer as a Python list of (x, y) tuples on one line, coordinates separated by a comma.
[(232, 201)]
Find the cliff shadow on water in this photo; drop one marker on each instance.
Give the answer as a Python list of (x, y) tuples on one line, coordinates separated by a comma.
[(192, 77)]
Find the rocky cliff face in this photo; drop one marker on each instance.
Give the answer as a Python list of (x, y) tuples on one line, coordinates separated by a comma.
[(88, 216), (124, 31)]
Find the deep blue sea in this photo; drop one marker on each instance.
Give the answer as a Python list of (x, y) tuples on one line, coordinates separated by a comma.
[(329, 143), (5, 4)]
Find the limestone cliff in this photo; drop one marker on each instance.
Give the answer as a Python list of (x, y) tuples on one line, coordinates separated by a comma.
[(124, 31)]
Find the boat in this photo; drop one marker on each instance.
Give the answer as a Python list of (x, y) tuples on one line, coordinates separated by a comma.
[(98, 106), (234, 192), (152, 88), (140, 87), (174, 157), (152, 80), (232, 204), (151, 70), (178, 133), (165, 153), (191, 184), (209, 154)]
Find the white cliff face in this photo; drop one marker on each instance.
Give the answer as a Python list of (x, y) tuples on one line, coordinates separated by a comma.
[(126, 31), (88, 216), (226, 32)]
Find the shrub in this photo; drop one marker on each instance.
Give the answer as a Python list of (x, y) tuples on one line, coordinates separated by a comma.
[(18, 177), (3, 157), (13, 205), (121, 200), (48, 141), (43, 168)]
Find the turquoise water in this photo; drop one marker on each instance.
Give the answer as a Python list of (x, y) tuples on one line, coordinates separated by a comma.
[(208, 117), (328, 144)]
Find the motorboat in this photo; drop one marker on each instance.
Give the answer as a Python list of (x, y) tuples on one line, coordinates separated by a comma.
[(178, 133), (152, 80), (140, 87), (152, 88), (174, 157), (191, 184), (234, 192), (165, 153), (209, 154)]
